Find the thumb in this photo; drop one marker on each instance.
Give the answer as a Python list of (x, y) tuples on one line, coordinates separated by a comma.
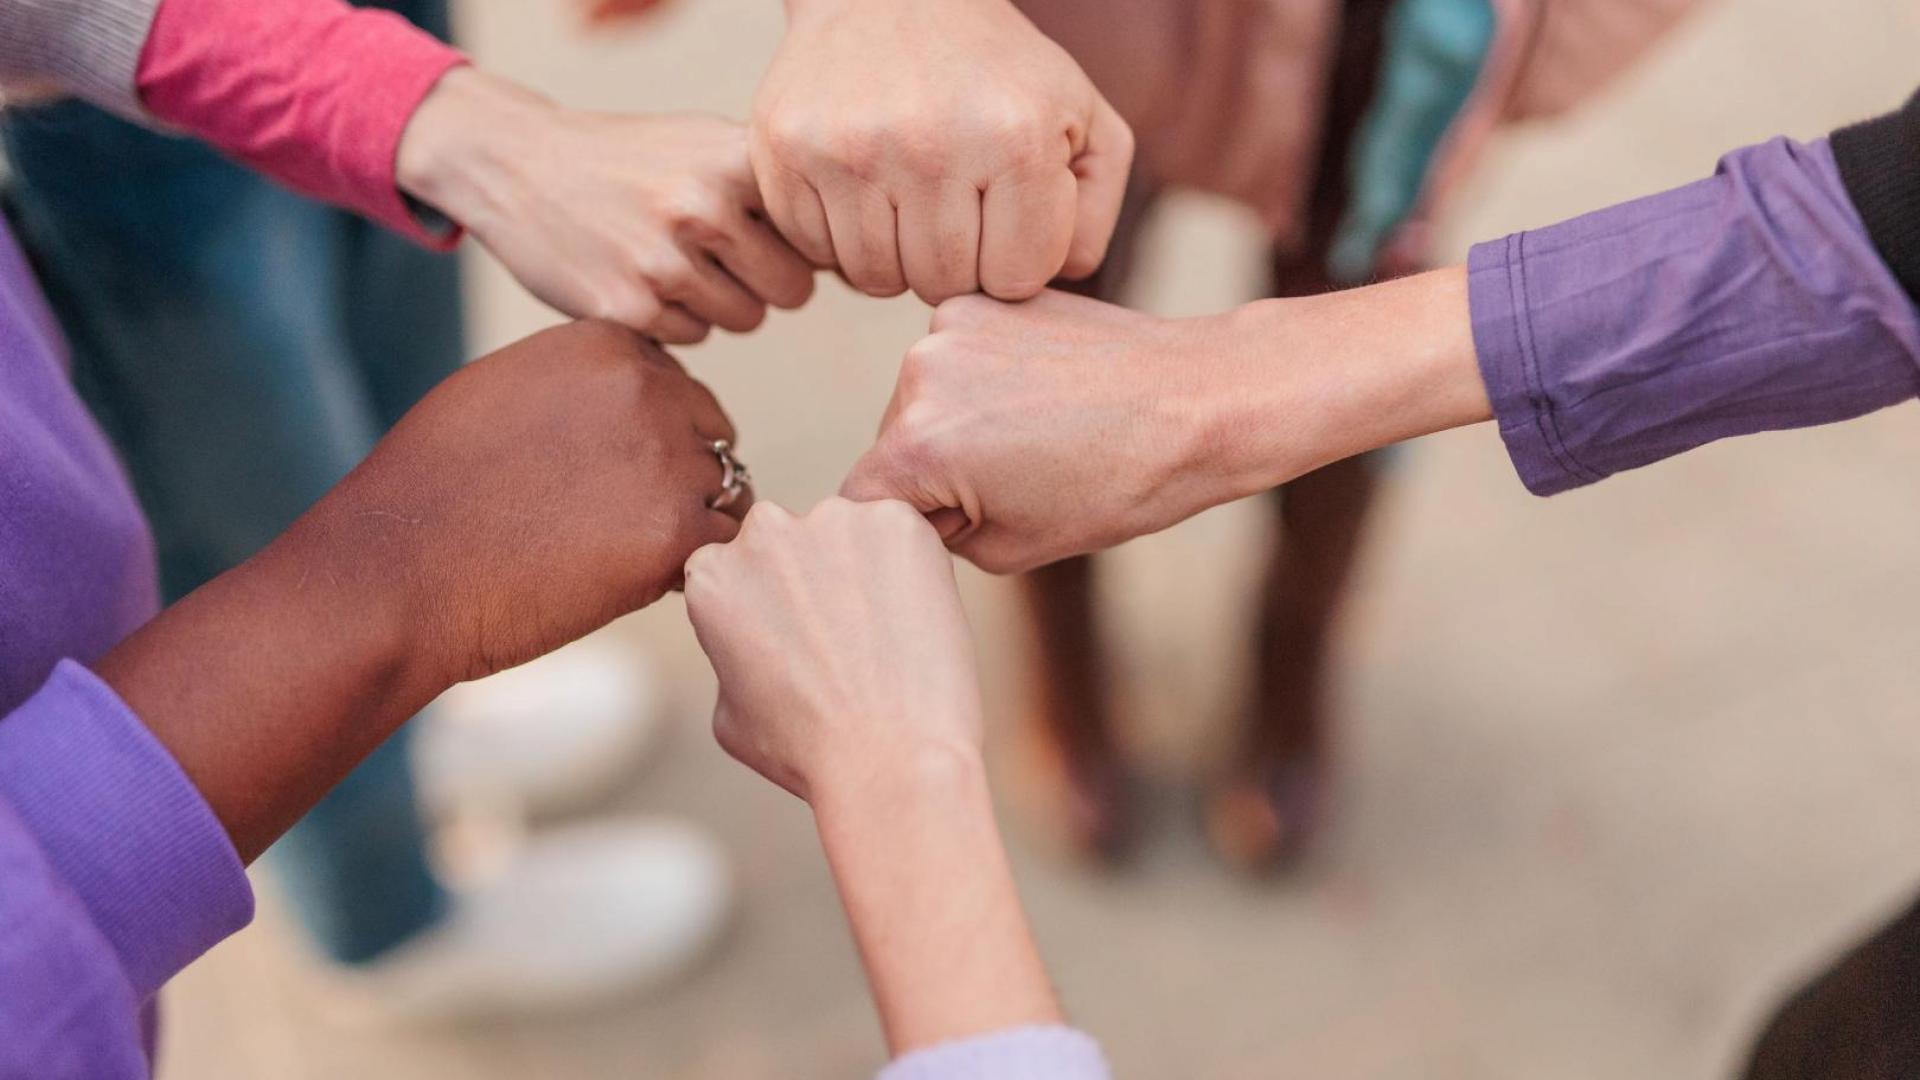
[(1102, 168), (875, 478), (948, 521)]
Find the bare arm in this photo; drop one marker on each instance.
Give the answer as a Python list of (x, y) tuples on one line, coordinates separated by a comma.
[(920, 867), (847, 677)]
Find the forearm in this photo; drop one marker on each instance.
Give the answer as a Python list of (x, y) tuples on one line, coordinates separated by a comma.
[(1752, 301), (1292, 385), (272, 681), (921, 869)]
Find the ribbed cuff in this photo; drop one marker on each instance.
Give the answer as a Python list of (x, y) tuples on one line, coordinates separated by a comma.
[(123, 826), (87, 48), (1050, 1052), (1503, 338), (1879, 163)]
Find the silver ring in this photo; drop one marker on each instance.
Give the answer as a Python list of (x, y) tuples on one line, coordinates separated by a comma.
[(734, 477)]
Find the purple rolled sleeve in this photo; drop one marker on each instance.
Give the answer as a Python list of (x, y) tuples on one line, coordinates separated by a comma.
[(1749, 301), (114, 875), (1049, 1052)]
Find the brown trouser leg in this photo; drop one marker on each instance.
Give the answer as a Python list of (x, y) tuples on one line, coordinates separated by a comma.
[(1321, 517), (1857, 1020)]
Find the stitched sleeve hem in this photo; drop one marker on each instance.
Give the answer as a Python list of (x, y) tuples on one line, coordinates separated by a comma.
[(1503, 341)]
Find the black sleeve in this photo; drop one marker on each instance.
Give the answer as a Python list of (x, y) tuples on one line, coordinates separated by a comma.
[(1880, 165)]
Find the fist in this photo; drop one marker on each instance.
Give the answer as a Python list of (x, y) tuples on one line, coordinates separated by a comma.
[(839, 643), (649, 221), (945, 147), (1031, 432), (534, 496)]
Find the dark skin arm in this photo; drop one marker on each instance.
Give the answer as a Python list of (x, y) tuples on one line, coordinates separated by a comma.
[(535, 496)]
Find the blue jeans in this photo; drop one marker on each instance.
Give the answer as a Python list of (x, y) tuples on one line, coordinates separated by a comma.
[(244, 348)]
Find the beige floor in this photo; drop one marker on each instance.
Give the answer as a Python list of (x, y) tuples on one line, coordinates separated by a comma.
[(1615, 765)]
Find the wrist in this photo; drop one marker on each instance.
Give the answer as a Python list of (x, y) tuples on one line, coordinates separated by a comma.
[(354, 594), (1295, 384), (463, 149), (917, 858), (272, 680), (877, 784)]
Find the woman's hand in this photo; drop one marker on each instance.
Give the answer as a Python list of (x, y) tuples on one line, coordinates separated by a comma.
[(649, 221), (1031, 432), (943, 146), (532, 497), (846, 677), (839, 644), (1045, 429), (536, 495)]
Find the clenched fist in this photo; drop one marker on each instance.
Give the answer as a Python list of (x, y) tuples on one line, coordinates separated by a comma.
[(839, 644), (943, 146), (537, 494), (1031, 432), (649, 221)]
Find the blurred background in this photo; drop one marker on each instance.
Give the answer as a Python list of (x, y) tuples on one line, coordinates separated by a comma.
[(1613, 770)]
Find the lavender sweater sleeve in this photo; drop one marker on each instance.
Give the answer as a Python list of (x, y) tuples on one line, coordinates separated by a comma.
[(1030, 1053), (114, 875), (1749, 301)]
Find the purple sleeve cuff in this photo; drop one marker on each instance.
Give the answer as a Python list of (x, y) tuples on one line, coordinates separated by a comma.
[(123, 826), (1749, 301), (1051, 1052)]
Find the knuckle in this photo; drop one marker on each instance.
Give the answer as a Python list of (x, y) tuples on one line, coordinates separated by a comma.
[(671, 275), (701, 569), (896, 515), (860, 149), (914, 440), (694, 208), (792, 136), (960, 311), (764, 516), (1018, 131)]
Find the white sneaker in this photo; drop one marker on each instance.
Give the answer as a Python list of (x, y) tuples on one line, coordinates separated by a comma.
[(581, 914), (557, 734)]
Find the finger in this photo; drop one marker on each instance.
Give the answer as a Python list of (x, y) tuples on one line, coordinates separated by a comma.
[(708, 529), (1026, 225), (709, 420), (704, 288), (793, 206), (872, 480), (865, 237), (767, 265), (1101, 169), (675, 325), (948, 521), (940, 242)]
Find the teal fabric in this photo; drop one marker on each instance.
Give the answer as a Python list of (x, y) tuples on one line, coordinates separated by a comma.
[(1433, 56)]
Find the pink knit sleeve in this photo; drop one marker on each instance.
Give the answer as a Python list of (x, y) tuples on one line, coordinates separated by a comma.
[(313, 93)]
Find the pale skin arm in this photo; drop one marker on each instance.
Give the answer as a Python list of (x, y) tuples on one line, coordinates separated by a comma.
[(1031, 432), (847, 677), (923, 875)]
